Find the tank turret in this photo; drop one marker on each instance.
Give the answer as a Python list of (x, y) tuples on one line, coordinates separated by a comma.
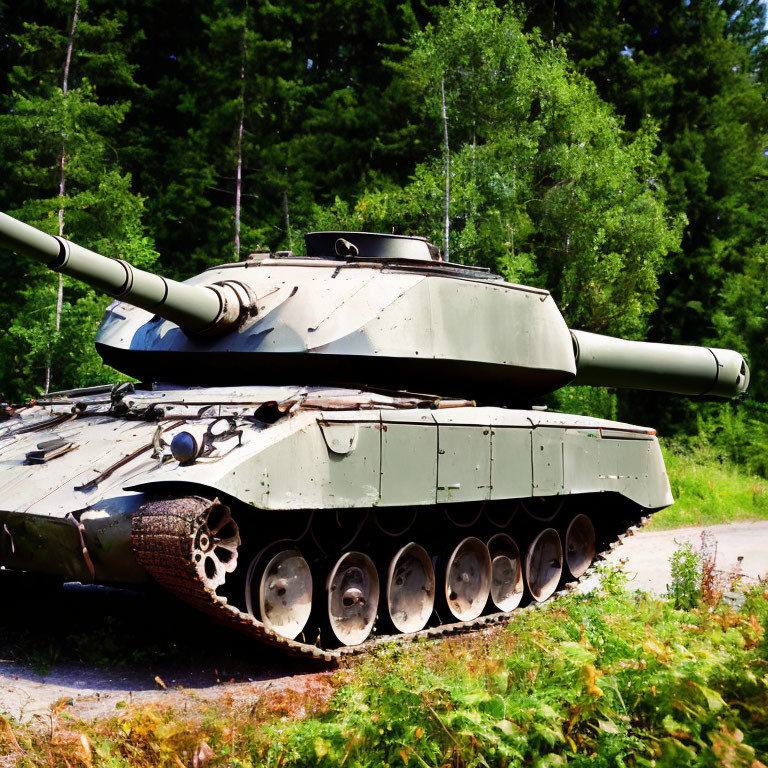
[(364, 309)]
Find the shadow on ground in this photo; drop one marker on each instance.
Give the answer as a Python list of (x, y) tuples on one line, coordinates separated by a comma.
[(109, 645)]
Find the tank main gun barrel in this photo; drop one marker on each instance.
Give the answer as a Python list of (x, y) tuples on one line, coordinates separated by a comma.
[(605, 361), (198, 310)]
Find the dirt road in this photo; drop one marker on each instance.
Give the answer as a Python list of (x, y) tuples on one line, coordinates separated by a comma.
[(95, 649), (647, 554)]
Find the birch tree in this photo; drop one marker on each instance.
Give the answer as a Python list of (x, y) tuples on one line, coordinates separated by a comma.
[(447, 155), (63, 176), (240, 129)]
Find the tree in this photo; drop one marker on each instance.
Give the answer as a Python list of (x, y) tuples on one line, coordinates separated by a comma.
[(321, 117), (698, 70), (546, 186), (96, 207)]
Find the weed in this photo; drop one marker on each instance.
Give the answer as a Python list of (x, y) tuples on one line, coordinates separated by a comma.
[(685, 587), (613, 578), (714, 583), (695, 579)]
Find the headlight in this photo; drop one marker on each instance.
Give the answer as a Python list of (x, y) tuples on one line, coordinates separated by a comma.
[(184, 447)]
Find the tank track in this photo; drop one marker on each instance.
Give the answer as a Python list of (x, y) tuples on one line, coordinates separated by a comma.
[(163, 535)]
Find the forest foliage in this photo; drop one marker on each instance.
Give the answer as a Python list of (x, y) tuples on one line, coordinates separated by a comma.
[(613, 152)]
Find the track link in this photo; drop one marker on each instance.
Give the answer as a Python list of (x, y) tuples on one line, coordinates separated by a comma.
[(163, 535)]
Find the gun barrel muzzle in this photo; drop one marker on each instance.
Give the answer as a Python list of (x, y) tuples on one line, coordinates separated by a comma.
[(605, 361)]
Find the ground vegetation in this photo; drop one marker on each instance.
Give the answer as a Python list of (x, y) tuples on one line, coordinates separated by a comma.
[(611, 678)]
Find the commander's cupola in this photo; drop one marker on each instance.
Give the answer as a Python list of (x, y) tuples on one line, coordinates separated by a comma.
[(370, 245)]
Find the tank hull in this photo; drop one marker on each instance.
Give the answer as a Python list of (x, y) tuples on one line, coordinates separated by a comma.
[(332, 450)]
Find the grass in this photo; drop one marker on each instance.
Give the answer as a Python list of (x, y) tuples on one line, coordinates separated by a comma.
[(708, 491), (608, 679)]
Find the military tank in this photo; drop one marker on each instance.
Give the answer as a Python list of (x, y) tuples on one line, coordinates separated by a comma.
[(331, 449)]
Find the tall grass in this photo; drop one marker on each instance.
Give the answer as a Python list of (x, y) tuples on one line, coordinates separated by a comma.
[(709, 490)]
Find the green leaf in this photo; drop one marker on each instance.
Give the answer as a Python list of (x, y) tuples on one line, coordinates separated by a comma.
[(576, 653), (546, 712), (607, 726), (714, 700)]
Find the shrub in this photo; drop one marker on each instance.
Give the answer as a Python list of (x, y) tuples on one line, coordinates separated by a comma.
[(685, 585)]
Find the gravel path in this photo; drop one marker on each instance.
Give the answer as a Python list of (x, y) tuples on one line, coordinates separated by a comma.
[(220, 665)]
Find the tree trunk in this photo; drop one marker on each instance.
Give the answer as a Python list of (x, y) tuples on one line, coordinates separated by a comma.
[(239, 181), (447, 235), (63, 179), (514, 204), (287, 216)]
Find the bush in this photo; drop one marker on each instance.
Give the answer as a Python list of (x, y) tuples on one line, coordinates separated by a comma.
[(685, 586)]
